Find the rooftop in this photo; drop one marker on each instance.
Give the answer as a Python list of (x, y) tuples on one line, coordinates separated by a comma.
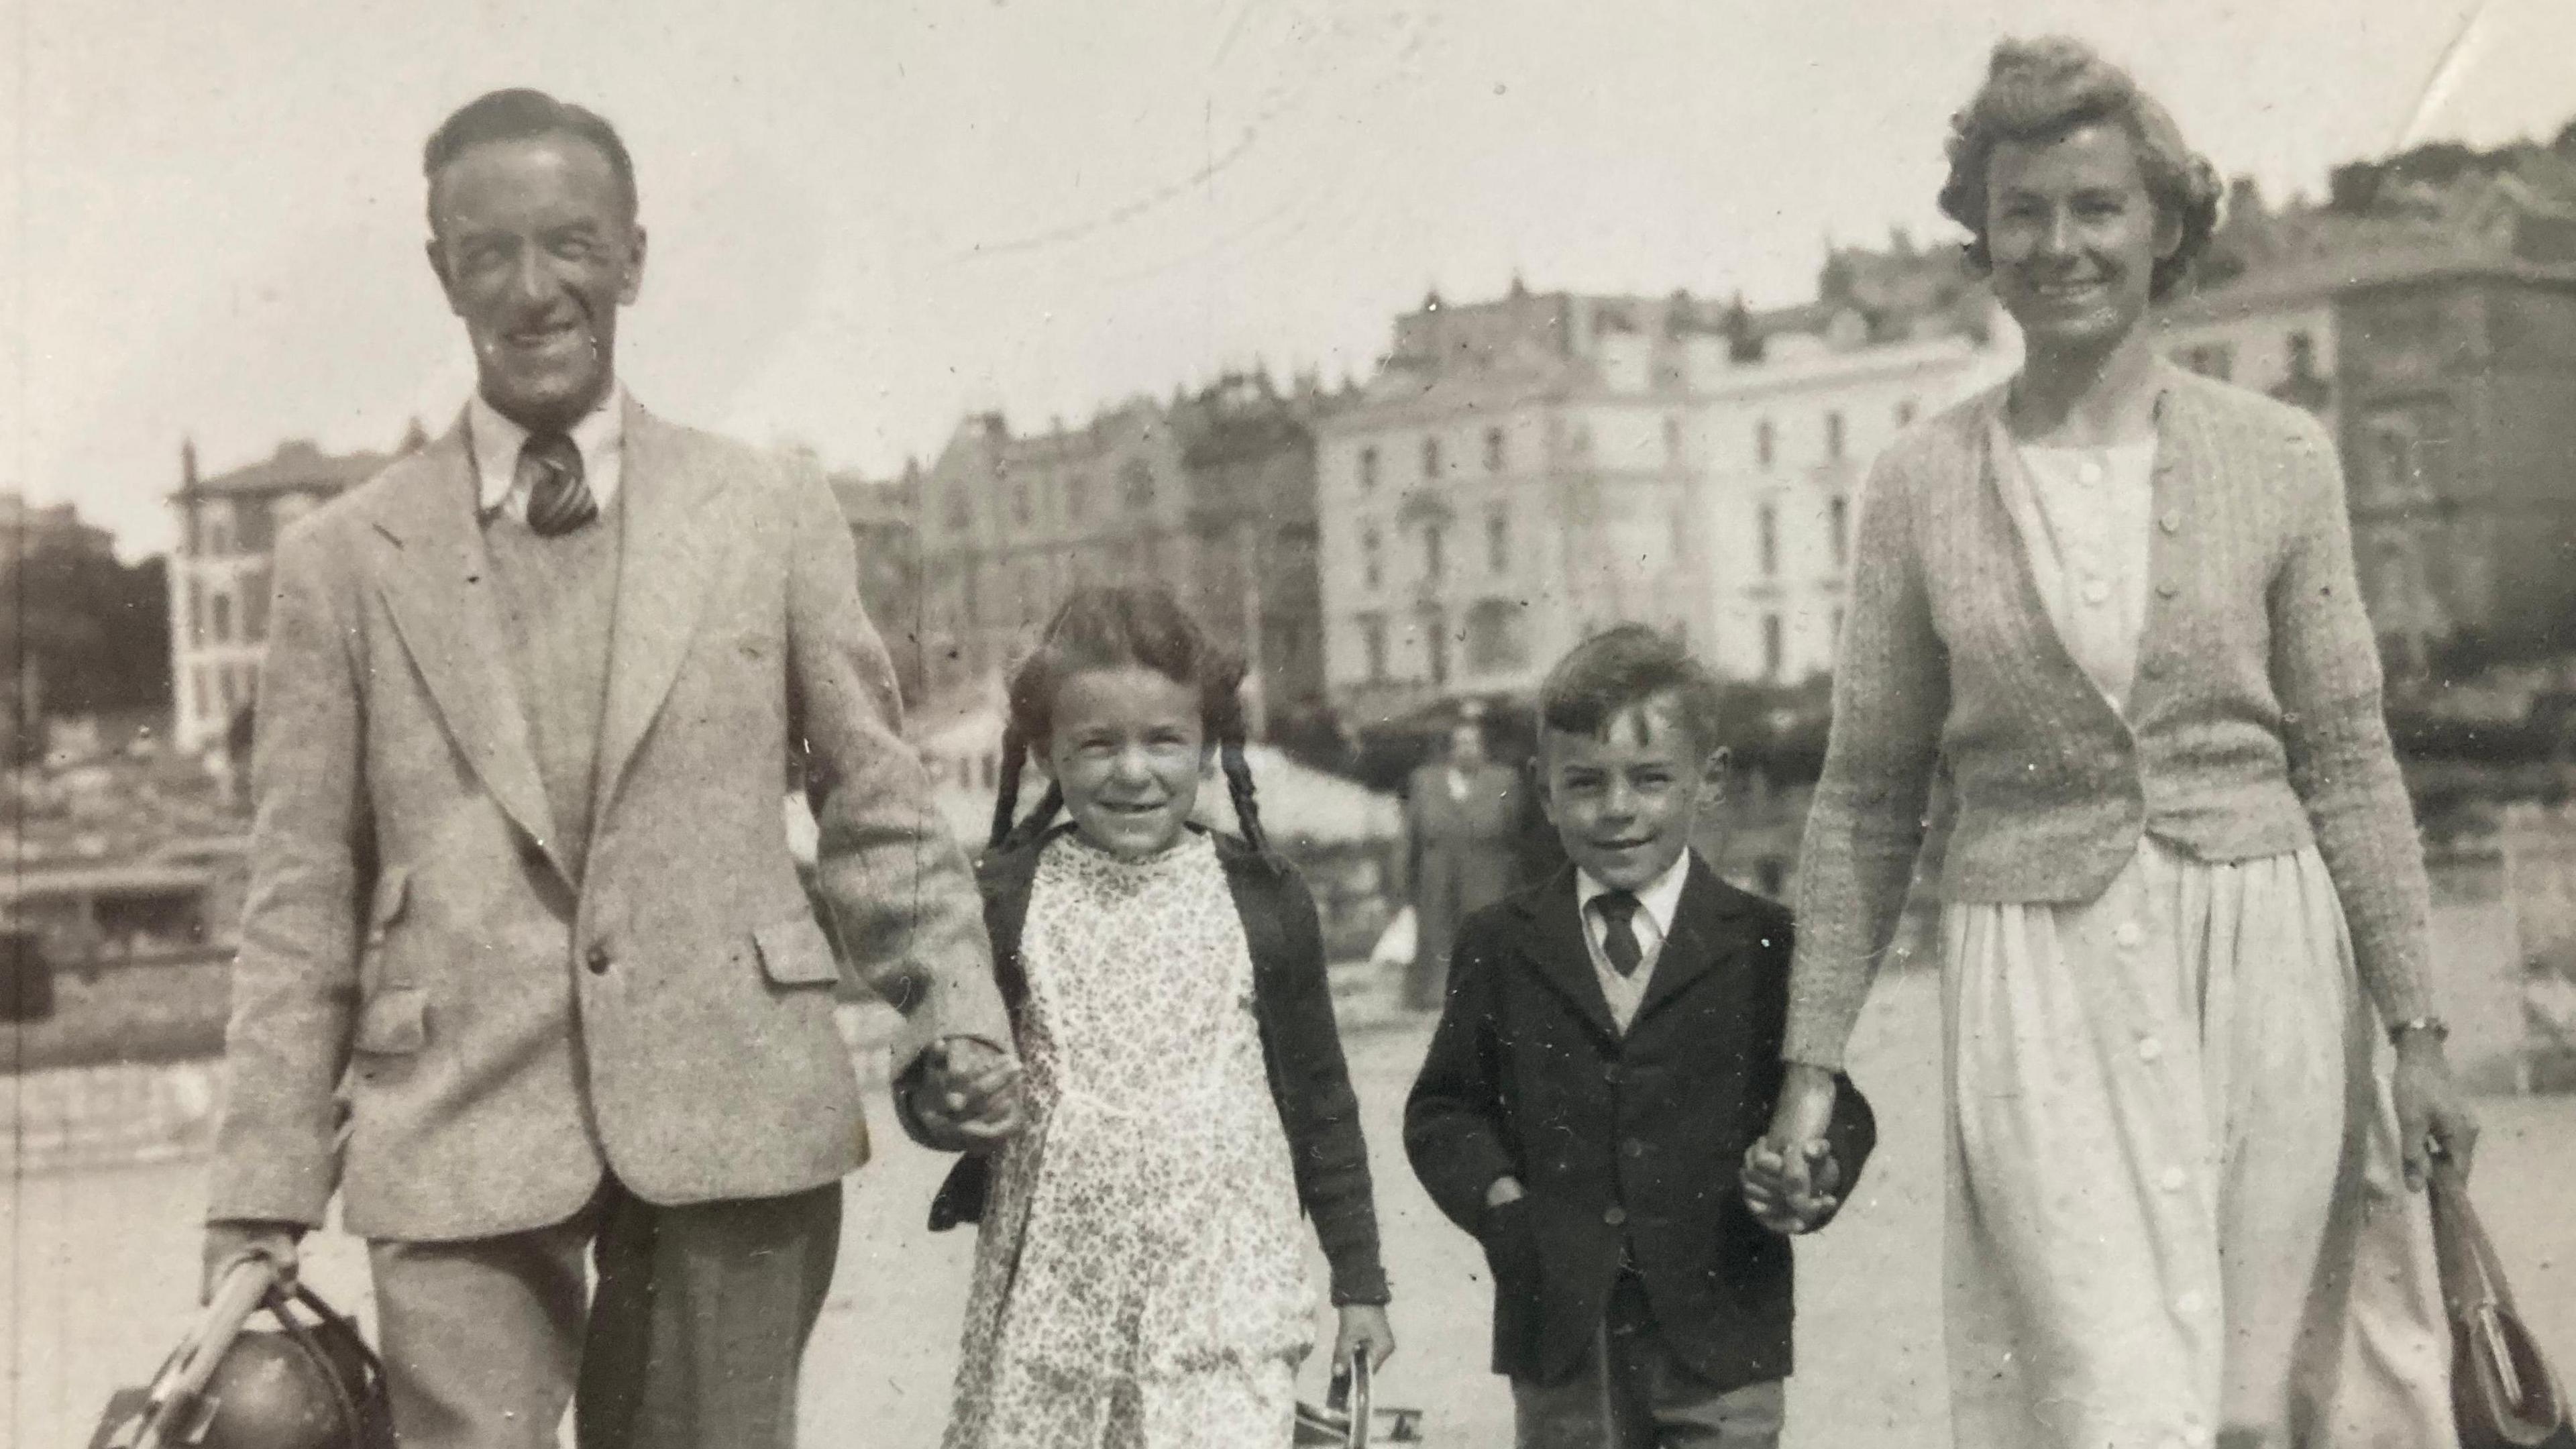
[(297, 465)]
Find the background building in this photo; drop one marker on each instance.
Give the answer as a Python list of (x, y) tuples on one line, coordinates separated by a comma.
[(884, 516), (219, 573)]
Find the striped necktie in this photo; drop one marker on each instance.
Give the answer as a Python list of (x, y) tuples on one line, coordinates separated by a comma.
[(1619, 930), (558, 500)]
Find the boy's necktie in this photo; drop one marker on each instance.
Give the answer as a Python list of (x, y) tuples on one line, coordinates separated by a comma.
[(1619, 930), (558, 500)]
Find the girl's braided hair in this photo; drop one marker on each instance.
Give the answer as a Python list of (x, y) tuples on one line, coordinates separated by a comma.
[(1115, 626)]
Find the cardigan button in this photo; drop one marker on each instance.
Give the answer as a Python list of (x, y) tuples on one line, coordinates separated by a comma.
[(2168, 589), (599, 959), (2172, 521), (1614, 1215)]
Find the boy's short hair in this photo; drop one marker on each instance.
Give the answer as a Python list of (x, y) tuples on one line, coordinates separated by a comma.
[(1624, 667)]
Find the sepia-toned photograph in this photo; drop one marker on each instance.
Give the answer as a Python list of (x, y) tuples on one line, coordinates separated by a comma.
[(1129, 724)]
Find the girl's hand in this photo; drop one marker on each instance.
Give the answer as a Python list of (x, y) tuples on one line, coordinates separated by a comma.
[(968, 1098), (1791, 1202), (1364, 1325), (2433, 1114)]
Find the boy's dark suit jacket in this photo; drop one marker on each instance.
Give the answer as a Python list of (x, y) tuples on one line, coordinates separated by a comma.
[(1636, 1141), (1292, 1000)]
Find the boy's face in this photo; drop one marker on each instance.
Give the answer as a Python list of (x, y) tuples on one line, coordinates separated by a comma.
[(1624, 803)]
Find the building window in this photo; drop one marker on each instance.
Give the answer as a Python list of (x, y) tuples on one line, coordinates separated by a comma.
[(1431, 457), (1766, 442), (1493, 450), (1435, 642), (1767, 536), (1498, 541), (1368, 468), (218, 534), (1774, 647), (1834, 435), (224, 690), (1905, 412), (1077, 491), (197, 628), (1838, 527), (222, 622), (1672, 440), (1435, 562), (1020, 504), (1136, 481), (2303, 356), (1373, 645), (255, 605), (205, 700), (1372, 566), (1494, 637), (961, 509)]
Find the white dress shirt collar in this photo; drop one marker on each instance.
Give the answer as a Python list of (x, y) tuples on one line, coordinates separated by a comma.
[(496, 440), (1661, 897)]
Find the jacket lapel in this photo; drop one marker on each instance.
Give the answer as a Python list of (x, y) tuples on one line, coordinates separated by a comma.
[(1556, 947), (669, 557), (1704, 935), (439, 591)]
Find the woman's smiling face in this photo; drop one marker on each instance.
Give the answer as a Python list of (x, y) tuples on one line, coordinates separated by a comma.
[(2075, 235), (1127, 748)]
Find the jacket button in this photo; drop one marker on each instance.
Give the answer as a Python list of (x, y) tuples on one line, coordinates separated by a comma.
[(1614, 1215), (1612, 1074), (598, 959), (1633, 1147)]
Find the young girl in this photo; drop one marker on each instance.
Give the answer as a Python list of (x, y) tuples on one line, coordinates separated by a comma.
[(1140, 1278)]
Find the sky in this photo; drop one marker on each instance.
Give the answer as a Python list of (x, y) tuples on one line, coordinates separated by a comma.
[(869, 217)]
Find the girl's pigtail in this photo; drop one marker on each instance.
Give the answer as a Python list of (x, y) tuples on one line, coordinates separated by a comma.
[(1040, 818), (1007, 803), (1238, 784)]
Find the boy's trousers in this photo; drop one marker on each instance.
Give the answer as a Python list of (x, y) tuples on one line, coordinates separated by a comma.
[(691, 1340), (1630, 1392)]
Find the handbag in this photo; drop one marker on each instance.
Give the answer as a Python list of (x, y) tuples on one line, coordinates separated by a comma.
[(311, 1381), (2503, 1394)]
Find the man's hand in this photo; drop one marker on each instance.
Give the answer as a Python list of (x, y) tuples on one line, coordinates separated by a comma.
[(968, 1098), (1792, 1190), (230, 1241)]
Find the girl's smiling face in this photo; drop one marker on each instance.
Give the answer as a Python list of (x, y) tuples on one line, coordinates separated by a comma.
[(1128, 750)]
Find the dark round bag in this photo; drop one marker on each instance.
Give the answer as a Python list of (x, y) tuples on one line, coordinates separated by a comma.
[(309, 1383), (2503, 1393)]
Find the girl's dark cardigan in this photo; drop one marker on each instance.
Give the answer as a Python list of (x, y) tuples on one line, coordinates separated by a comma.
[(1300, 1046)]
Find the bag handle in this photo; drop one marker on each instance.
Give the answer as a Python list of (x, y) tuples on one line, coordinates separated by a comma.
[(2472, 1273), (1349, 1393)]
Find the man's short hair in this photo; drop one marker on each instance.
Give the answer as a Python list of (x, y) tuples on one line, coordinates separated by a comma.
[(520, 114), (1624, 667)]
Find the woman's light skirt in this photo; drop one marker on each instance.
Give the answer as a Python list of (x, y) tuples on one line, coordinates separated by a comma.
[(2177, 1215)]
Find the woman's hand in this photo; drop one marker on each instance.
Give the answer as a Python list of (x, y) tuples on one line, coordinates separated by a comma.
[(1363, 1325), (1804, 1114), (2433, 1114)]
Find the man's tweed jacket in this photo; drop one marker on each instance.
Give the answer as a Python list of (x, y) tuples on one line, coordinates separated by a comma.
[(428, 1013)]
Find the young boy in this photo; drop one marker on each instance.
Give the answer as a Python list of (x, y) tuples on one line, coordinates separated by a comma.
[(1603, 1074)]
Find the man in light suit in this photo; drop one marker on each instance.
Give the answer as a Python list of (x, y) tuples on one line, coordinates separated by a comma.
[(527, 972)]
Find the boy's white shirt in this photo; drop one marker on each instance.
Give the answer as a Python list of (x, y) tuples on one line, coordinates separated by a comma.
[(1660, 899)]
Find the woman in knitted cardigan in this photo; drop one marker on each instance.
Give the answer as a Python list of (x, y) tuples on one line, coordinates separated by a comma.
[(2116, 604)]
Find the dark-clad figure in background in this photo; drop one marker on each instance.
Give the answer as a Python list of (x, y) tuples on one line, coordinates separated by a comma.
[(1463, 825), (527, 975)]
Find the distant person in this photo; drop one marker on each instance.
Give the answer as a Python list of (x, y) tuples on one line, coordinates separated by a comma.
[(1609, 1055), (526, 974), (1140, 1274), (2193, 1062), (1462, 825)]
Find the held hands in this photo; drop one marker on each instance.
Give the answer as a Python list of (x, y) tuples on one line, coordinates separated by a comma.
[(2433, 1116), (968, 1098), (1792, 1184), (1792, 1189), (228, 1242)]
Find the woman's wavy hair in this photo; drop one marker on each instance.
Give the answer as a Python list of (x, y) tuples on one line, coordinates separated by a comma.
[(2039, 90), (1117, 626)]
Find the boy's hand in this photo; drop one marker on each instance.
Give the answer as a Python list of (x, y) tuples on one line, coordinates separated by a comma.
[(230, 1240), (1792, 1190)]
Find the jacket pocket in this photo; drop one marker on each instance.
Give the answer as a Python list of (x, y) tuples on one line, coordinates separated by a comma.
[(394, 1021), (794, 953)]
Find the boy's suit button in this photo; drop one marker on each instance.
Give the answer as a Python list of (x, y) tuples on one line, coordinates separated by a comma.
[(598, 959), (1614, 1215), (1612, 1074), (1633, 1147)]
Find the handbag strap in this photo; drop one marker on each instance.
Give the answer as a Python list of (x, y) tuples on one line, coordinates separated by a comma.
[(2472, 1274), (353, 1425)]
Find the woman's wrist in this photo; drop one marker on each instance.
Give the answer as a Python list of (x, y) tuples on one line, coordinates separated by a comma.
[(1806, 1107)]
